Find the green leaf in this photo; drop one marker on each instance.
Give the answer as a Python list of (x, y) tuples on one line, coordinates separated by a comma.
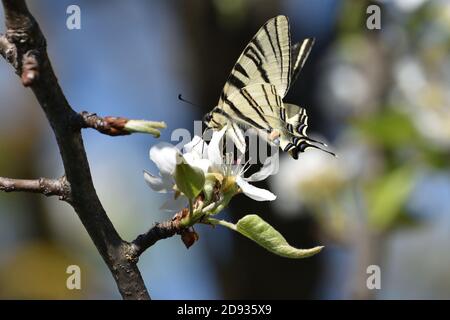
[(386, 197), (258, 230), (190, 180)]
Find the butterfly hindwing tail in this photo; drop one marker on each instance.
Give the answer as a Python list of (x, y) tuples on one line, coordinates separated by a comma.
[(296, 139), (295, 145)]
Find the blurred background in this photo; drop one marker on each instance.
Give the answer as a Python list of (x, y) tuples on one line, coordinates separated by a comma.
[(380, 98)]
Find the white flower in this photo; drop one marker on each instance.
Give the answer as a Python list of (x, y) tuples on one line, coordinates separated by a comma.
[(237, 170), (164, 155), (209, 159)]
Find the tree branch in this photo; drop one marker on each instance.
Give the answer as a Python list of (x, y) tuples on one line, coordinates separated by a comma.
[(158, 232), (27, 53), (161, 231), (48, 187), (118, 126)]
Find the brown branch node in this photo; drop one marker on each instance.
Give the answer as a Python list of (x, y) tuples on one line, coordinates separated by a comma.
[(23, 43), (112, 126)]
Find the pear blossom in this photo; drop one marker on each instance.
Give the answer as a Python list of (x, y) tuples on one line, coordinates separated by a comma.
[(208, 158), (237, 170)]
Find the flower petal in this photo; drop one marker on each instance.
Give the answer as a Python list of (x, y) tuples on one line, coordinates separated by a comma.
[(214, 153), (253, 192), (158, 184), (197, 146), (270, 167), (174, 205), (164, 156), (193, 160)]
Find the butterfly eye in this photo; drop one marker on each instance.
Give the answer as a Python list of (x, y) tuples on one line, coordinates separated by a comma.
[(207, 118)]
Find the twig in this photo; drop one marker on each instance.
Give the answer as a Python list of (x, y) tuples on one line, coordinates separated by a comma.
[(48, 187), (118, 126), (158, 232), (28, 55), (162, 231)]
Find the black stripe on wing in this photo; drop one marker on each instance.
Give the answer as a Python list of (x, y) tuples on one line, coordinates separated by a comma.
[(298, 145), (253, 55), (300, 52), (272, 45), (239, 68), (234, 81), (280, 57), (240, 115), (266, 59), (266, 96), (254, 105)]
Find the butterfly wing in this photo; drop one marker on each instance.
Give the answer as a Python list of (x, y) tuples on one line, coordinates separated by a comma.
[(260, 107), (266, 59), (300, 52), (252, 95), (254, 106), (235, 133)]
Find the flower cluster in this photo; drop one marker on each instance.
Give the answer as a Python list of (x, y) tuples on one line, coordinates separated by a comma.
[(202, 179), (221, 174)]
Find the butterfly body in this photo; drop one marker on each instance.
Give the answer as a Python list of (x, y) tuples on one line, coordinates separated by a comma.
[(253, 94)]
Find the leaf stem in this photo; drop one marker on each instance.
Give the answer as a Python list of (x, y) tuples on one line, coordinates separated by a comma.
[(223, 223)]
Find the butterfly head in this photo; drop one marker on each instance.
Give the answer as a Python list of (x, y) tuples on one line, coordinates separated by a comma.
[(214, 119), (207, 118)]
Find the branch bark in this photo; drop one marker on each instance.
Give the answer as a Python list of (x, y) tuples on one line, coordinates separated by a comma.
[(48, 187), (162, 231), (24, 46), (158, 232)]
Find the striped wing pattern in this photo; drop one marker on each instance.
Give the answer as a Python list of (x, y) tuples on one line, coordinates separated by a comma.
[(253, 93), (300, 52), (262, 108), (266, 59), (255, 106)]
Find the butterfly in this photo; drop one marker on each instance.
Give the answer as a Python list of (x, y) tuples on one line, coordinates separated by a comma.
[(253, 94)]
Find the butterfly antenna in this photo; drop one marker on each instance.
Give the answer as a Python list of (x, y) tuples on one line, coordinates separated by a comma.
[(180, 97)]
